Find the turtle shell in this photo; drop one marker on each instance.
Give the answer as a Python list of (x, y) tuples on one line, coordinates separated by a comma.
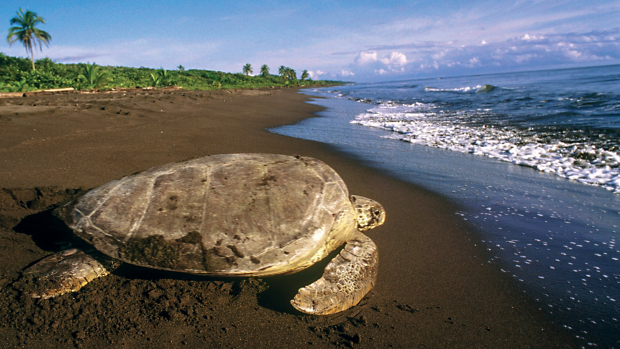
[(236, 214)]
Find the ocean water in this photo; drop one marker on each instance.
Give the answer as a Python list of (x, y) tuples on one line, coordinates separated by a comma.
[(533, 160)]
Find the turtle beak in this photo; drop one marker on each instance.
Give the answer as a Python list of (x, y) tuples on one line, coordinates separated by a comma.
[(378, 214)]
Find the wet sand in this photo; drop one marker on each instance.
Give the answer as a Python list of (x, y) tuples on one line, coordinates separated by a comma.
[(435, 288)]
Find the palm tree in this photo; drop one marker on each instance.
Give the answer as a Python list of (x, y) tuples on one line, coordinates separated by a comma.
[(304, 75), (264, 70), (247, 69), (92, 76), (26, 33), (287, 73), (291, 73)]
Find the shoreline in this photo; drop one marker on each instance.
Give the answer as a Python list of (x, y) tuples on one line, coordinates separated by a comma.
[(434, 288), (550, 235)]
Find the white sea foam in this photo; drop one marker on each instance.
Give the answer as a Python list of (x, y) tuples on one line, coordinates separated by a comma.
[(466, 89), (423, 124)]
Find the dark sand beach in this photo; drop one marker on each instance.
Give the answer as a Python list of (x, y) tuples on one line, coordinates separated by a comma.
[(435, 287)]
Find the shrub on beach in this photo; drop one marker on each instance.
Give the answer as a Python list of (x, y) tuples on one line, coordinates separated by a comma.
[(92, 76), (42, 79)]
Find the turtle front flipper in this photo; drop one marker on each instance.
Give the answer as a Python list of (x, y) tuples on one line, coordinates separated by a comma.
[(346, 279), (63, 272)]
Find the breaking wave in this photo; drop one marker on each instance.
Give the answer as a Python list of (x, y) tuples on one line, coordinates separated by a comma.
[(590, 157)]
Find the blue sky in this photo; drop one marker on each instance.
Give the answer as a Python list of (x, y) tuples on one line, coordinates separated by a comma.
[(350, 40)]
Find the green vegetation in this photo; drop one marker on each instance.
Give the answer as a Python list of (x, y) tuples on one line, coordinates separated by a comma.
[(16, 75), (160, 78), (26, 33), (93, 77)]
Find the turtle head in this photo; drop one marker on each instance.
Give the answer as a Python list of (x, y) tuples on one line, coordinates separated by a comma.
[(368, 213)]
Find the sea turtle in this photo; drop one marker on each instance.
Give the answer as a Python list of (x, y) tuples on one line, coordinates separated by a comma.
[(225, 215)]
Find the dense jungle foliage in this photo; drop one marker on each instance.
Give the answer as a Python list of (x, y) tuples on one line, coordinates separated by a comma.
[(17, 75)]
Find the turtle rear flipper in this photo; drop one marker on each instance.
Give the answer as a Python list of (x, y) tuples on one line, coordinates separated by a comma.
[(346, 279), (63, 272)]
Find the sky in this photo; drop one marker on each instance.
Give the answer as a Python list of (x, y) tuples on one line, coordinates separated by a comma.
[(343, 40)]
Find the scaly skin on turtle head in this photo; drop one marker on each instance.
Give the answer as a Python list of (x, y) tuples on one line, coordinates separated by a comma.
[(369, 213)]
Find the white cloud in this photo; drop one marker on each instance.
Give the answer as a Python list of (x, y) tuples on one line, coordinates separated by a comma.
[(396, 58), (366, 57), (371, 63), (371, 57), (315, 74), (527, 37), (474, 61)]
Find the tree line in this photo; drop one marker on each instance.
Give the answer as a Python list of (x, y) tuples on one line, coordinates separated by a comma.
[(285, 73), (17, 75)]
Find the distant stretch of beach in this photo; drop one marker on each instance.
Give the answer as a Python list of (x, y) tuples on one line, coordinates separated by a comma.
[(435, 288)]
